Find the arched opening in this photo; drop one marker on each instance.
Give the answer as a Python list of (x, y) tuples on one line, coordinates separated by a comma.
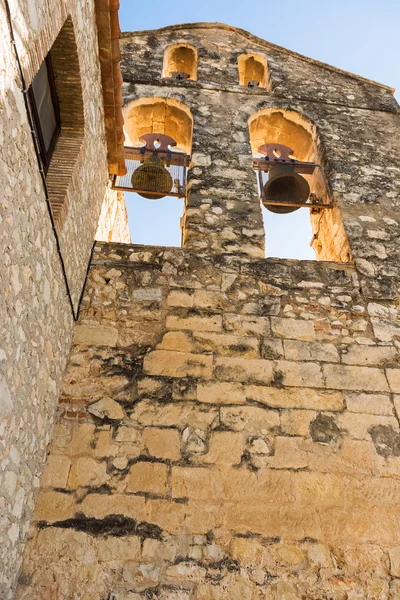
[(157, 221), (253, 71), (180, 62), (306, 233)]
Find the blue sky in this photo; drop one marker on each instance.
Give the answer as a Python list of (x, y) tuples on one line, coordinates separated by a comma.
[(360, 36)]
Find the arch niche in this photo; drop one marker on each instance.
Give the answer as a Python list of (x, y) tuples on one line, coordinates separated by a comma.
[(158, 115), (293, 129), (253, 67), (180, 58)]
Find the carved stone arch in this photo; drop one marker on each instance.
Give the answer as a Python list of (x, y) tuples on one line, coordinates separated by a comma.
[(180, 57), (299, 132), (157, 114), (253, 67)]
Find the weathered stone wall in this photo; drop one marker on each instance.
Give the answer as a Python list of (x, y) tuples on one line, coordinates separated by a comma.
[(356, 122), (36, 319), (113, 222), (227, 429), (229, 424)]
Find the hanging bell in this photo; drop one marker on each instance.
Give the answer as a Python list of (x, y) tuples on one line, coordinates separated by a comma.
[(286, 187), (153, 177)]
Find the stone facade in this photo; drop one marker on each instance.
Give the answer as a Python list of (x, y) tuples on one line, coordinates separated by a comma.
[(113, 222), (227, 429), (36, 316), (228, 426)]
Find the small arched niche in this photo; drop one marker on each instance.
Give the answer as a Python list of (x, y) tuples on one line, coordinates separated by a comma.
[(291, 128), (253, 71), (158, 115), (180, 59)]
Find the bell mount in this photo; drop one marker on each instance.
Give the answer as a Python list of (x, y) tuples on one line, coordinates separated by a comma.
[(156, 145), (278, 154)]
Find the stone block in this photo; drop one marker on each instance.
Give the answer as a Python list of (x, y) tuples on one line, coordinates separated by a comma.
[(221, 393), (247, 325), (230, 345), (180, 298), (293, 329), (209, 299), (167, 514), (177, 364), (82, 438), (127, 434), (243, 370), (343, 527), (394, 556), (200, 483), (297, 422), (195, 323), (248, 551), (103, 445), (364, 379), (251, 419), (314, 351), (176, 340), (369, 355), (225, 448), (174, 414), (118, 549), (295, 374), (141, 332), (147, 295), (373, 492), (393, 376), (106, 408), (56, 471), (147, 477), (54, 506), (100, 506), (289, 522), (95, 335), (319, 489), (372, 404), (288, 454), (272, 349), (304, 398), (358, 425), (162, 443), (86, 471), (355, 457)]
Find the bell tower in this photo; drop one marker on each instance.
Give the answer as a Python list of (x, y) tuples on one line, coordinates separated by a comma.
[(229, 423)]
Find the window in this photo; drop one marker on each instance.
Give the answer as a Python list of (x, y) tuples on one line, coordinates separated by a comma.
[(56, 101), (45, 110)]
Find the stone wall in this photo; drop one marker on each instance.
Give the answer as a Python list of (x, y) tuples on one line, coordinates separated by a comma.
[(36, 318), (228, 426), (113, 222), (228, 429), (356, 123)]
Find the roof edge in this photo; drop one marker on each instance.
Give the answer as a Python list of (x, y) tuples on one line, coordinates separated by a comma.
[(258, 40)]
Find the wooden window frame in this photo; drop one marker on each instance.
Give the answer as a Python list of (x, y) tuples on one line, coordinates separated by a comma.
[(46, 155)]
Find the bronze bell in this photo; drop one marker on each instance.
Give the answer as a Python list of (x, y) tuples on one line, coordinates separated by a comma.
[(286, 186), (152, 176)]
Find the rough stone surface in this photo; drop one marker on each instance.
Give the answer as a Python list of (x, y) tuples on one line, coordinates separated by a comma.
[(36, 323), (258, 455), (260, 475)]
